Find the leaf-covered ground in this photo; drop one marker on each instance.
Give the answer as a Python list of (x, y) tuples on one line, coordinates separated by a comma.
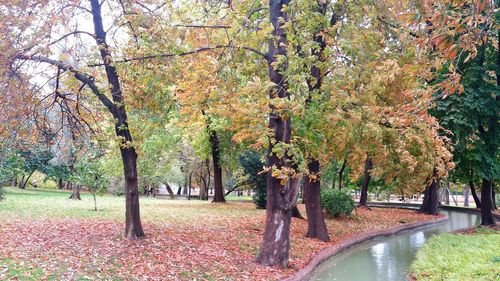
[(186, 240)]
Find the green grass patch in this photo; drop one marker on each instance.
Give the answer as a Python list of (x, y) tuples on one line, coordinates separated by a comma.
[(55, 204), (460, 257)]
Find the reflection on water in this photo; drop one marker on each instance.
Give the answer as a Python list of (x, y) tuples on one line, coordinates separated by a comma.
[(387, 259)]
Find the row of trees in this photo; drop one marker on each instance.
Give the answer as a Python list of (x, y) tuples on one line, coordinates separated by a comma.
[(324, 88)]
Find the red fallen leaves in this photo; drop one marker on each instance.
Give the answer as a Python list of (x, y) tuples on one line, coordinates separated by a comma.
[(224, 250)]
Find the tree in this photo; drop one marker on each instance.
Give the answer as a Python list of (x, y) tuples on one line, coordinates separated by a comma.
[(27, 51), (467, 62)]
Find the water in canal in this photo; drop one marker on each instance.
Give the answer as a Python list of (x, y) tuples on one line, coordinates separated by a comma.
[(389, 258)]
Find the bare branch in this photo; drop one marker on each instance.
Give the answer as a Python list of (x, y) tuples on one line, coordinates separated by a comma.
[(72, 33), (82, 77), (203, 26)]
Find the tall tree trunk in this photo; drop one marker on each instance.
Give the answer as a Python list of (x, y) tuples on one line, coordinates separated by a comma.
[(281, 197), (170, 191), (133, 226), (14, 181), (366, 182), (477, 201), (179, 190), (466, 196), (430, 203), (446, 196), (185, 189), (341, 172), (218, 188), (493, 197), (316, 227), (190, 186), (60, 184), (21, 182), (75, 195), (486, 203)]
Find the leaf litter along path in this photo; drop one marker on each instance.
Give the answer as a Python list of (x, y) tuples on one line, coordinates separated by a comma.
[(201, 248)]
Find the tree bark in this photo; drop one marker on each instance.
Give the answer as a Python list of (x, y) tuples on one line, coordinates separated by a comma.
[(189, 185), (486, 203), (21, 182), (316, 227), (60, 184), (446, 196), (75, 195), (366, 182), (133, 226), (218, 188), (466, 196), (430, 203), (341, 172), (477, 201), (281, 196), (185, 189), (493, 197), (170, 191)]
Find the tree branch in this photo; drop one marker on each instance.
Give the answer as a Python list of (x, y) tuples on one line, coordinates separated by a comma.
[(84, 78), (72, 33), (195, 51)]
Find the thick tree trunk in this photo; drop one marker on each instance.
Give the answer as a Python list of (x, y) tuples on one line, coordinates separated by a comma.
[(179, 190), (21, 182), (316, 227), (430, 203), (281, 196), (477, 201), (366, 182), (486, 203), (203, 188), (466, 196), (276, 243), (341, 172), (218, 188), (75, 195), (60, 184), (133, 227), (185, 189)]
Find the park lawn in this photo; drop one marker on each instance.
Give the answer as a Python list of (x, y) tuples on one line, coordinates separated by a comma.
[(471, 255), (44, 235)]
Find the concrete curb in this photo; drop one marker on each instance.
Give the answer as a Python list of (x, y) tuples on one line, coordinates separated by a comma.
[(324, 254)]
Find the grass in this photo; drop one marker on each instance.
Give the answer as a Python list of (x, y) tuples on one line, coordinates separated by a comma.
[(460, 257), (44, 203)]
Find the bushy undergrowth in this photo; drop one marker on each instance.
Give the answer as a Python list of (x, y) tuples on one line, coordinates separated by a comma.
[(336, 202)]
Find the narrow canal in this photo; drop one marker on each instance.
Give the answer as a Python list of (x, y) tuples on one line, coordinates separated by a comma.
[(389, 258)]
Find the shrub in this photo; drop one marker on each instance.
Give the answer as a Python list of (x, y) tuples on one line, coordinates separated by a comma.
[(336, 202), (252, 166)]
